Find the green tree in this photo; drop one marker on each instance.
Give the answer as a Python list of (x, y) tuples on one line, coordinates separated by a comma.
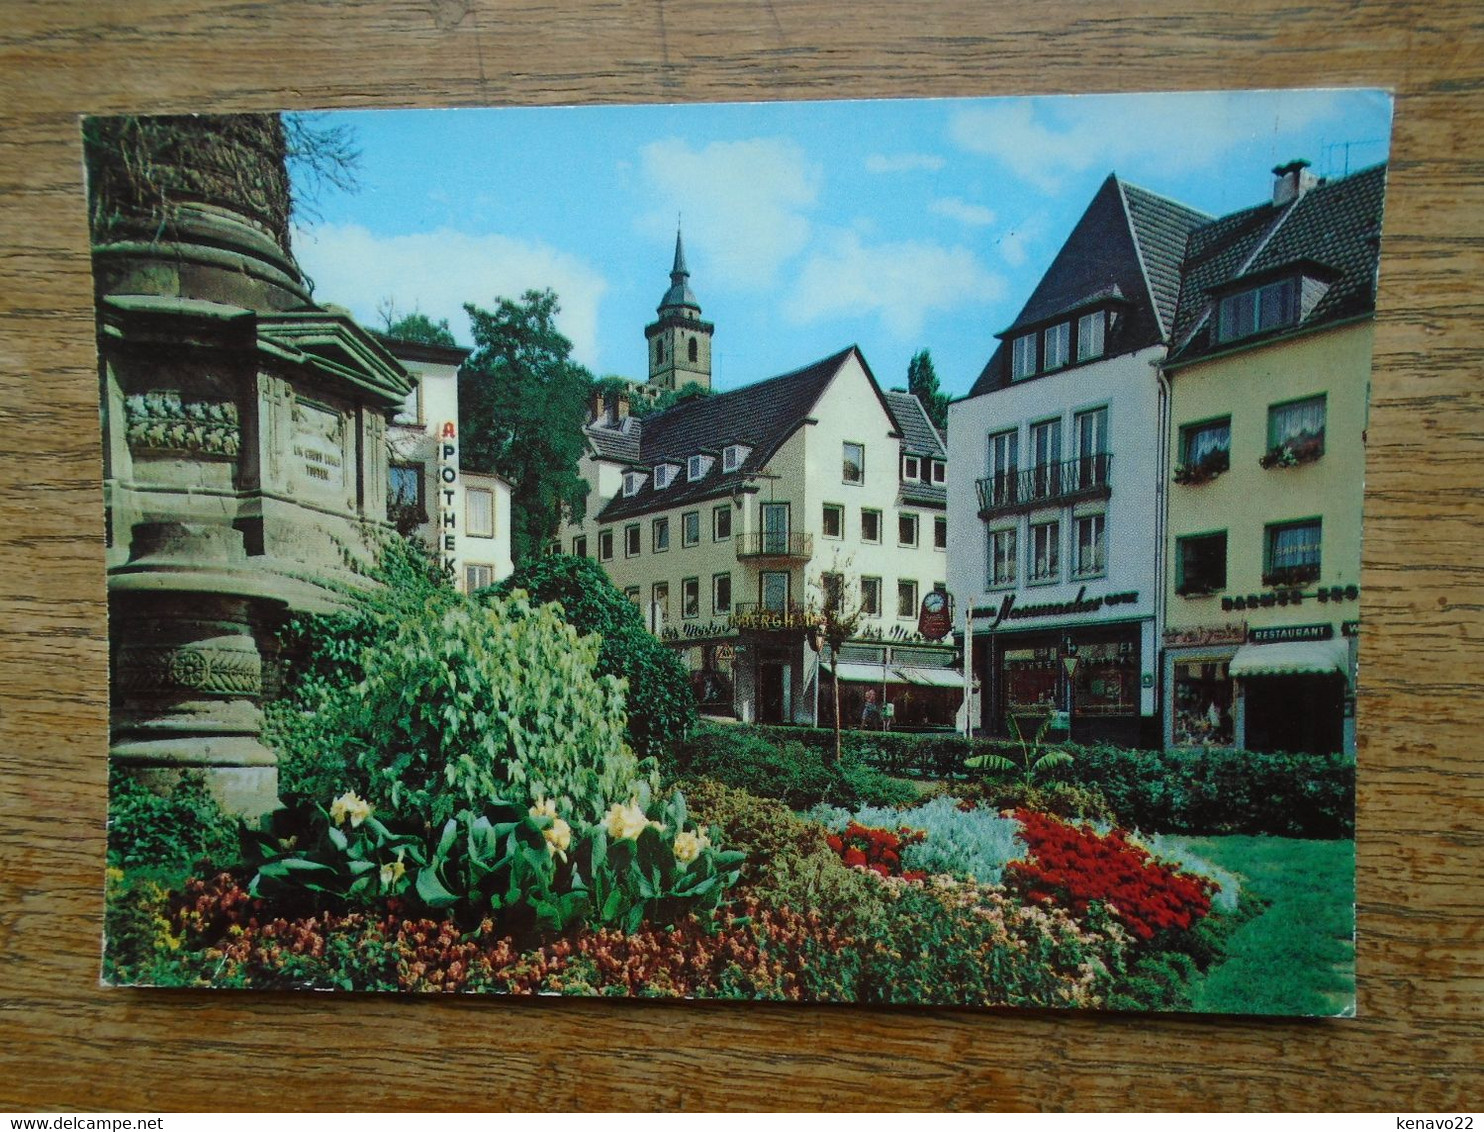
[(414, 327), (660, 704), (672, 397), (922, 380), (522, 404)]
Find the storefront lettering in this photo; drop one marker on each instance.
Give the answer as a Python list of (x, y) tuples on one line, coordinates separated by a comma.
[(1214, 635), (1008, 610), (1278, 633), (448, 472), (1289, 597)]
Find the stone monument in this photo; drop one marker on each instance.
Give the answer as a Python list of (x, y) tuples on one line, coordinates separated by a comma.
[(244, 439)]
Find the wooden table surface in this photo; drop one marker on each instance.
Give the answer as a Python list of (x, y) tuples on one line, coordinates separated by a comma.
[(67, 1044)]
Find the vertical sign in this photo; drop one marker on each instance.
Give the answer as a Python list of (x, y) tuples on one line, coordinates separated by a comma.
[(448, 476)]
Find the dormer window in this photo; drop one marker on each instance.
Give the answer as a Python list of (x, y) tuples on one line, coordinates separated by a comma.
[(1058, 346), (697, 467), (939, 471), (1256, 309), (664, 476), (1090, 333), (1023, 357), (911, 468), (733, 455), (632, 482)]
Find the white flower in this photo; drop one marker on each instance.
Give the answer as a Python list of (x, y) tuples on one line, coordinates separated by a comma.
[(558, 837), (544, 808), (348, 805), (392, 872), (625, 823), (688, 846)]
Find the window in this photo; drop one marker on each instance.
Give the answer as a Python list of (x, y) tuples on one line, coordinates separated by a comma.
[(1046, 456), (906, 530), (870, 525), (871, 597), (721, 523), (1091, 546), (721, 593), (940, 532), (632, 593), (906, 599), (579, 546), (632, 482), (911, 468), (1002, 557), (659, 596), (1200, 564), (1257, 309), (477, 575), (479, 512), (605, 545), (691, 349), (1004, 467), (411, 412), (1291, 555), (1023, 357), (690, 597), (1205, 450), (404, 492), (697, 467), (940, 471), (1058, 346), (1090, 335), (1296, 431), (834, 521), (664, 475), (773, 590), (832, 588), (659, 541), (690, 528), (732, 456), (1045, 564), (631, 541), (776, 528), (855, 463), (1091, 429)]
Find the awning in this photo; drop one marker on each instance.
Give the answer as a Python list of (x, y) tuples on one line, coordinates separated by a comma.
[(932, 677), (1291, 658), (852, 672)]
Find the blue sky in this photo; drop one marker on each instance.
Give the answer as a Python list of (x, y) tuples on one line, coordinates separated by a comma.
[(895, 225)]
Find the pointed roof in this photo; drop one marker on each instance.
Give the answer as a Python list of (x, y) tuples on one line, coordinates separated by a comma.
[(1124, 251), (679, 294), (1333, 228)]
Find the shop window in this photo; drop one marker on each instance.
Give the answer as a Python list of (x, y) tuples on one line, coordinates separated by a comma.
[(1291, 553), (1031, 677), (1002, 557), (479, 512), (1107, 679), (870, 526), (690, 528), (906, 599), (1200, 564), (1202, 700), (1045, 564), (690, 597), (834, 520), (1092, 546), (871, 597), (721, 523), (854, 463)]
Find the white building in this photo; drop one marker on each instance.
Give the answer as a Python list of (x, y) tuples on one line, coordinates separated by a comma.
[(1055, 502), (463, 516)]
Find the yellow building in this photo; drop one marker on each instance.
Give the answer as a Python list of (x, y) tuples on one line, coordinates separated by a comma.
[(1265, 418)]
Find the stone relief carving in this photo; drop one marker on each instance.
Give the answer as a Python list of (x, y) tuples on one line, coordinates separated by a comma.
[(161, 421), (201, 669)]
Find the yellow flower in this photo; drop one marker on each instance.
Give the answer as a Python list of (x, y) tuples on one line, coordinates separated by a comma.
[(544, 808), (558, 837), (688, 846), (625, 823), (392, 872), (348, 805)]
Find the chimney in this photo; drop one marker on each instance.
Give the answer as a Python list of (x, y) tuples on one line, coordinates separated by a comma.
[(621, 409), (1293, 181), (597, 408)]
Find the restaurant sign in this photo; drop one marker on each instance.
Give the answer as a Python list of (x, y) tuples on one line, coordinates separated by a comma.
[(1278, 633)]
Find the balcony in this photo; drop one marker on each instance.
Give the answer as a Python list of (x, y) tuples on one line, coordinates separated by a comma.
[(1047, 485), (779, 545)]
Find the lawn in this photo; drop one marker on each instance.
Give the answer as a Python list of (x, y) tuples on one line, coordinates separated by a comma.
[(1298, 955)]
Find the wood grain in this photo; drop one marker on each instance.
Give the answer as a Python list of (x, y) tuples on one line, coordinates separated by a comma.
[(66, 1043)]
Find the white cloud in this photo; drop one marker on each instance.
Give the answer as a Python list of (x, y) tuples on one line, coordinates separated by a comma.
[(438, 272), (903, 163), (899, 282), (744, 205), (974, 215), (1042, 140)]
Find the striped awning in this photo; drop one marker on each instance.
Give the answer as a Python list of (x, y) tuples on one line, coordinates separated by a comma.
[(1292, 658)]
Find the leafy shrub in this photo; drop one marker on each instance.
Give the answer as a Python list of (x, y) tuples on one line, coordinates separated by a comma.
[(661, 708), (742, 757), (137, 930), (167, 831), (466, 705), (1075, 866), (870, 787), (1068, 800), (973, 844)]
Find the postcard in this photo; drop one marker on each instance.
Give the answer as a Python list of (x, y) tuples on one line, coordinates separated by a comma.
[(858, 552)]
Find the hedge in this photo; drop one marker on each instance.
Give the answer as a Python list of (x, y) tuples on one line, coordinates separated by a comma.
[(1182, 791)]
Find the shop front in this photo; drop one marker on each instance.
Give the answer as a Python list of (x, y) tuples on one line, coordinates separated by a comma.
[(893, 687)]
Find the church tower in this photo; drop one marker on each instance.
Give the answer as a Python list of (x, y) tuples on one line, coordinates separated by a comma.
[(679, 342)]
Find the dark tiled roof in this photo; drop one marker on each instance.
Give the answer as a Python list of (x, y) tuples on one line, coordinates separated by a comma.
[(919, 434), (1127, 244), (761, 416), (1336, 224), (924, 495), (620, 443)]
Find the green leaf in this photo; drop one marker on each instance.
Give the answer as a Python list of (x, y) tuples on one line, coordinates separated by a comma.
[(432, 891)]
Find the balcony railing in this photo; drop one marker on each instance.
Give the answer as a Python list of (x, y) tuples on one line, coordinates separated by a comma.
[(775, 544), (1045, 485)]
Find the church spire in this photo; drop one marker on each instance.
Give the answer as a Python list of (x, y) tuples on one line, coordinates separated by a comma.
[(679, 341), (679, 298)]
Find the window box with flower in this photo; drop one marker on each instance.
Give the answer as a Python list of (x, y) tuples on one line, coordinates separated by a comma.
[(1205, 469), (1294, 451)]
